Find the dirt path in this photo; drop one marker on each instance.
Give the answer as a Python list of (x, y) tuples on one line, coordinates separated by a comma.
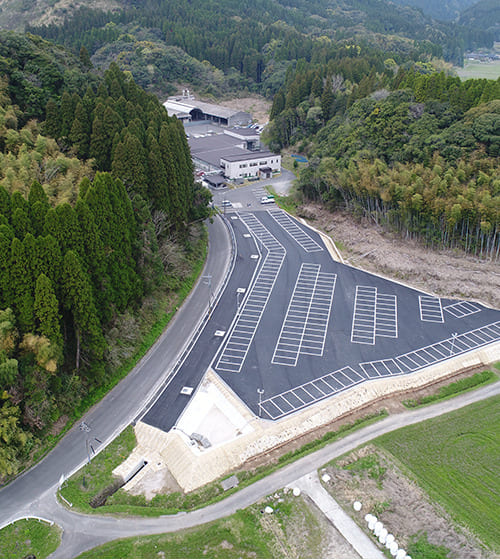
[(445, 273)]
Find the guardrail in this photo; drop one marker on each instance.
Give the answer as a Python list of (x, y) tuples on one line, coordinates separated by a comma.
[(40, 519)]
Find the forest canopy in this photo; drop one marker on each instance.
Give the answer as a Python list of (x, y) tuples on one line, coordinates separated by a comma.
[(96, 182)]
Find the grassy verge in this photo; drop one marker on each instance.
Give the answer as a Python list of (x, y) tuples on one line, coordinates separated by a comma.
[(122, 502), (289, 203), (420, 547), (162, 318), (291, 531), (29, 538), (453, 389), (454, 458), (92, 480)]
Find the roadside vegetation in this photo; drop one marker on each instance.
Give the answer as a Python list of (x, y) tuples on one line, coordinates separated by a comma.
[(294, 529), (95, 480), (101, 238), (29, 538), (453, 389)]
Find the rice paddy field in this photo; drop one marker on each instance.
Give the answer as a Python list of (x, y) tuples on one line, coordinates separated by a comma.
[(474, 69), (456, 459)]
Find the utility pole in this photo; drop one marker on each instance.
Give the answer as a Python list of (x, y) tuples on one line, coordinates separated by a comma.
[(208, 282), (261, 392), (453, 338)]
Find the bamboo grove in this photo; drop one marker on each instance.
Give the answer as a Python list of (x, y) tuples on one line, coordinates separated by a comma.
[(414, 149)]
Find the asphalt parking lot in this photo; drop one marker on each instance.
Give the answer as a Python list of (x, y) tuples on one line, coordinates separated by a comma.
[(310, 327), (293, 326)]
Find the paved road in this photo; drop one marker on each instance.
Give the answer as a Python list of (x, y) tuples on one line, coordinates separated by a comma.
[(82, 532), (124, 402)]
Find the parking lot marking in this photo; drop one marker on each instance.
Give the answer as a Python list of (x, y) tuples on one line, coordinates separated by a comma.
[(306, 320), (434, 353), (363, 322), (386, 316), (236, 346), (462, 309), (430, 309), (294, 231), (344, 378), (259, 192), (310, 392)]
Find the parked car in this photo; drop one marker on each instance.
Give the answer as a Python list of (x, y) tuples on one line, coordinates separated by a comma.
[(267, 199)]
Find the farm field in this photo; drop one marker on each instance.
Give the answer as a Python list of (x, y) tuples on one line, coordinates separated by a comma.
[(455, 458), (489, 70)]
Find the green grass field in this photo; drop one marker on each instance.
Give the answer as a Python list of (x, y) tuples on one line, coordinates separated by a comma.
[(490, 70), (456, 459), (29, 538), (292, 531)]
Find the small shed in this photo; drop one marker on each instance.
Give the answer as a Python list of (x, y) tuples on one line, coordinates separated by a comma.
[(215, 181)]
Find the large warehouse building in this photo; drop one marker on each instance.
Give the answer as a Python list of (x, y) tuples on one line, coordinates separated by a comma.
[(186, 108)]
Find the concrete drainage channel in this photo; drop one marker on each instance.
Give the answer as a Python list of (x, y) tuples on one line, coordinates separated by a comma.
[(100, 499)]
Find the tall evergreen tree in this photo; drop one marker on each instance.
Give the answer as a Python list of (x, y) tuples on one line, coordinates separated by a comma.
[(21, 283), (46, 309), (78, 299)]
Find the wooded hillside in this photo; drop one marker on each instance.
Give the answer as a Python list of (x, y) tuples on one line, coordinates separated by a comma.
[(416, 150), (91, 199)]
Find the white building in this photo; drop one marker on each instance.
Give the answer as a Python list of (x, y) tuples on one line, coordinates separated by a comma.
[(251, 164)]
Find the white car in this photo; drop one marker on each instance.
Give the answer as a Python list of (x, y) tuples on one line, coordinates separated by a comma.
[(267, 199), (226, 203)]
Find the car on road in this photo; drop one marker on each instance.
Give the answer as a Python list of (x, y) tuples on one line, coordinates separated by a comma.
[(226, 203), (267, 199)]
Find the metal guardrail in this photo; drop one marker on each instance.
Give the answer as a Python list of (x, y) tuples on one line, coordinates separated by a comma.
[(40, 519)]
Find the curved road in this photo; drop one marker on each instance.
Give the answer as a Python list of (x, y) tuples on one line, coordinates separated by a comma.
[(34, 493), (82, 532), (124, 402)]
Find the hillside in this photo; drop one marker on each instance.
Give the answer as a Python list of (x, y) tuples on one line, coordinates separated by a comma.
[(95, 227), (445, 10), (252, 43), (15, 15), (485, 14)]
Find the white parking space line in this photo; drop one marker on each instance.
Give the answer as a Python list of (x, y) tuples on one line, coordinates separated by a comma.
[(430, 309), (386, 316), (462, 309), (363, 322), (259, 192), (306, 320), (310, 392), (236, 347), (434, 353), (294, 231)]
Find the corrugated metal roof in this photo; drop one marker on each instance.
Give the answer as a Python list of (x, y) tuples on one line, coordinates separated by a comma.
[(188, 105)]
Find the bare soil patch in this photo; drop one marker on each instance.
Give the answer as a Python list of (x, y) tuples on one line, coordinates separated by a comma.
[(445, 273), (259, 107), (159, 482), (397, 501)]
